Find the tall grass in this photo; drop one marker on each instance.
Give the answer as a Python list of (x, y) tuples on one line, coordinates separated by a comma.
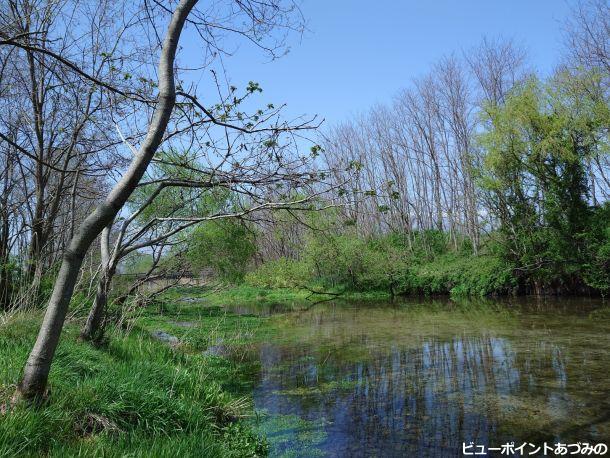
[(134, 397)]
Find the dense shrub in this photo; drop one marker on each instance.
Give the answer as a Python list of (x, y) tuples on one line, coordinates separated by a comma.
[(428, 264), (280, 273), (596, 268), (226, 246), (459, 274)]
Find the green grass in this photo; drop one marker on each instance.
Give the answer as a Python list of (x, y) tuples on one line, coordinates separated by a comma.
[(202, 323), (244, 294), (133, 396)]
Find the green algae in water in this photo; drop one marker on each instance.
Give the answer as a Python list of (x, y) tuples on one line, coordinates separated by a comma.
[(291, 435), (319, 388)]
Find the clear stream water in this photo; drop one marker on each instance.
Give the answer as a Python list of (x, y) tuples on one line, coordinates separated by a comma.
[(420, 377)]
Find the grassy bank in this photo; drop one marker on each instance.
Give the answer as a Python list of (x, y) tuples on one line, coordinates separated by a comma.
[(246, 294), (455, 274), (137, 393), (166, 379)]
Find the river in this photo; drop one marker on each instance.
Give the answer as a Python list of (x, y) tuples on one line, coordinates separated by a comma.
[(424, 377)]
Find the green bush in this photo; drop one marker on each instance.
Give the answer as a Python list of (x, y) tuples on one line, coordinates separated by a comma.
[(461, 275), (226, 246), (596, 268), (280, 273), (390, 264)]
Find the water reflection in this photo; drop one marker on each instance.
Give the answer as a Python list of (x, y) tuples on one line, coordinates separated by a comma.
[(417, 379)]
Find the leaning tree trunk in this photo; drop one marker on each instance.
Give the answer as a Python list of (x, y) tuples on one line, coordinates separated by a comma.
[(93, 329), (36, 371)]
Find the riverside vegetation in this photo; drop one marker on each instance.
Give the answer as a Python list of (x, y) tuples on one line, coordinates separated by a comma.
[(552, 236), (399, 242), (135, 393)]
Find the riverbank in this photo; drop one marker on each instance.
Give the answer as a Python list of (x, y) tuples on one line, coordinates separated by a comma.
[(168, 378), (432, 264), (245, 294), (160, 383)]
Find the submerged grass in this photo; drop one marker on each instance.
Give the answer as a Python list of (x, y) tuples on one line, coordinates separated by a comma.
[(292, 436), (130, 397)]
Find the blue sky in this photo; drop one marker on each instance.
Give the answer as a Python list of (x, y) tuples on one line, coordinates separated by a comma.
[(358, 53)]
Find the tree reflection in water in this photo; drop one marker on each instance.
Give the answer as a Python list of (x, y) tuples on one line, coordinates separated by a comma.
[(420, 379)]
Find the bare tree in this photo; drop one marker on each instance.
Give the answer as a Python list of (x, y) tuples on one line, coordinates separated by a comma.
[(35, 375), (497, 66), (587, 39), (418, 156), (165, 227), (58, 123), (250, 20), (588, 35), (457, 109)]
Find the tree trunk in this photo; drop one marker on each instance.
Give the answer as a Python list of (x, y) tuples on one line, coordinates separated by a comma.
[(93, 330), (36, 371), (35, 268), (5, 290), (5, 284)]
